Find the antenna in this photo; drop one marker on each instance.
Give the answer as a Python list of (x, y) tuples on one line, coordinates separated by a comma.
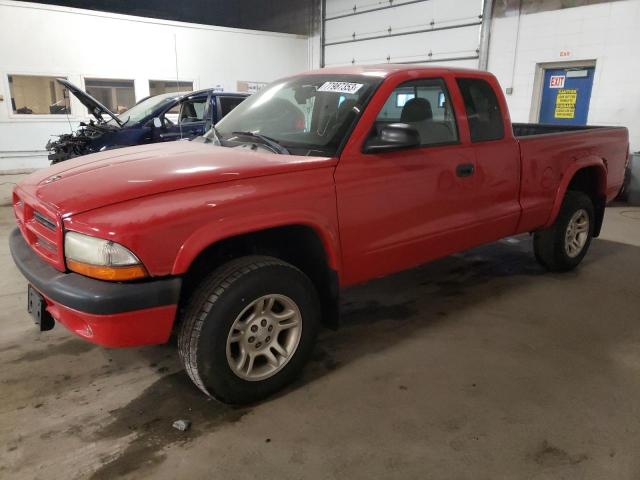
[(175, 50), (65, 95)]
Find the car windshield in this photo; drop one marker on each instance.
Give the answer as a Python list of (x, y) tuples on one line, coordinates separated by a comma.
[(145, 107), (308, 115)]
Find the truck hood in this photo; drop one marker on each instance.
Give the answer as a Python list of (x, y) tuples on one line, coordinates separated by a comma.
[(115, 176), (95, 107)]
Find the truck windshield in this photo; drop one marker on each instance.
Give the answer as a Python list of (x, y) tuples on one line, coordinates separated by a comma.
[(145, 107), (308, 115)]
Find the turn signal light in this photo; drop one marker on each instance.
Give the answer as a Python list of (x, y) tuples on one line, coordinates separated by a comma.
[(113, 274)]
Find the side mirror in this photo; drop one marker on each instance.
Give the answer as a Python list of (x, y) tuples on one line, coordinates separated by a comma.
[(394, 136), (157, 122)]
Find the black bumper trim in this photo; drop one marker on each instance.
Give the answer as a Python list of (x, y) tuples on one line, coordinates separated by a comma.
[(86, 294)]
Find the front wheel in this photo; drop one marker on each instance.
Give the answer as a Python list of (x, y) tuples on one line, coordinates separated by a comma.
[(249, 329), (563, 246)]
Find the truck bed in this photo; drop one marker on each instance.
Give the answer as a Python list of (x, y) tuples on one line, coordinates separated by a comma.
[(529, 129), (548, 151)]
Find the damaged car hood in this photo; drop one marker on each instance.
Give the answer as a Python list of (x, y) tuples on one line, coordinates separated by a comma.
[(115, 176), (95, 107)]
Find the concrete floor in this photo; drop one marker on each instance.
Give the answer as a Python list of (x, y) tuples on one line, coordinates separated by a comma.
[(7, 182), (478, 366)]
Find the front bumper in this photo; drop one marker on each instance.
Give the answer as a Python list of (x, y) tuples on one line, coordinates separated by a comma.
[(106, 313)]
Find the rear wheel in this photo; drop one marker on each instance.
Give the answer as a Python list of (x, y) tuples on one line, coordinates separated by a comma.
[(563, 246), (249, 329)]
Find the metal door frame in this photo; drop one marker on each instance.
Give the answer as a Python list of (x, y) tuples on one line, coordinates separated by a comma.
[(538, 83)]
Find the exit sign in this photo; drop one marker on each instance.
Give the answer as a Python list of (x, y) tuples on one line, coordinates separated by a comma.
[(556, 81), (565, 53)]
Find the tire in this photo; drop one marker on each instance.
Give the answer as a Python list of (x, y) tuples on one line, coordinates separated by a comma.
[(238, 295), (553, 247)]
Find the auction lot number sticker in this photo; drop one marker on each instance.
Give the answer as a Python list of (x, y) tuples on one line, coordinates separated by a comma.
[(340, 87)]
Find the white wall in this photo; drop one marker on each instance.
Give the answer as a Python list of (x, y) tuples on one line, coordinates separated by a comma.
[(46, 40), (456, 46), (607, 33)]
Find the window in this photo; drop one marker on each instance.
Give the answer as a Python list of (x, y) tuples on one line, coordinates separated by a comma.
[(116, 95), (307, 114), (38, 95), (146, 107), (402, 98), (193, 110), (483, 111), (228, 103), (158, 87), (423, 104)]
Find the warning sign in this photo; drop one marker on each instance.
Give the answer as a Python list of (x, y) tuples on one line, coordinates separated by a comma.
[(566, 103)]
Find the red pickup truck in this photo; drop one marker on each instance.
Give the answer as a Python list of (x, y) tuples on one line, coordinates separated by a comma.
[(240, 241)]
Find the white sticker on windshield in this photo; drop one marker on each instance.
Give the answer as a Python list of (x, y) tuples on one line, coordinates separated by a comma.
[(340, 87)]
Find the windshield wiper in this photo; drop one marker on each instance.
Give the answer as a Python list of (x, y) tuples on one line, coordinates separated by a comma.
[(266, 140), (212, 132)]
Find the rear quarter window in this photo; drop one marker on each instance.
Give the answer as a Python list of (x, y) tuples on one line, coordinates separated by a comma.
[(229, 103), (482, 108)]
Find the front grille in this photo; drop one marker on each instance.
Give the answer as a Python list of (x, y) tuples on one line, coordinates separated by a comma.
[(40, 227), (42, 220)]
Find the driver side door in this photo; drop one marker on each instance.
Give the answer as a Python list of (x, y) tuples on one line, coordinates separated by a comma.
[(398, 209), (190, 121)]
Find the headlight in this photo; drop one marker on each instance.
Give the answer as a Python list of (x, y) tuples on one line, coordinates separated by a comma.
[(102, 259)]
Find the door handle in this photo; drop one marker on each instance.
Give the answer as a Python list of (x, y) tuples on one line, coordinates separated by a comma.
[(465, 170)]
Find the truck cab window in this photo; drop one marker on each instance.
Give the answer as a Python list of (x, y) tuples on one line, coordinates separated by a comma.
[(425, 105), (308, 115), (483, 111)]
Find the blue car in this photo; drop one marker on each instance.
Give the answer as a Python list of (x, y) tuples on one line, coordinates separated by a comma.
[(161, 118)]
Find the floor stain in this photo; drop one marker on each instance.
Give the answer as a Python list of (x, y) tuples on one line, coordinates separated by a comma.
[(8, 348), (326, 358), (549, 456), (150, 417), (74, 346), (373, 311)]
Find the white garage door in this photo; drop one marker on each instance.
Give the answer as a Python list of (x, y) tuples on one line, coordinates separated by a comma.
[(397, 31)]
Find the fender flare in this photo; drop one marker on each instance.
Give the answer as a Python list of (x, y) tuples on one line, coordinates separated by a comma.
[(568, 176), (210, 234)]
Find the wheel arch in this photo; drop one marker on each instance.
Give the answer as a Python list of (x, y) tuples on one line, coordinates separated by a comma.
[(306, 246), (588, 175)]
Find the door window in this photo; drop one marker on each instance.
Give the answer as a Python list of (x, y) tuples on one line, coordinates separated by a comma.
[(193, 111), (228, 103), (425, 105), (483, 112)]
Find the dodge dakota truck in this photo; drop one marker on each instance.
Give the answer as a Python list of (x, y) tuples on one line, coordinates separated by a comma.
[(240, 240)]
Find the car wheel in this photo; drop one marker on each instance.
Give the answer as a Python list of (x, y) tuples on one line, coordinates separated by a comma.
[(249, 328), (563, 246)]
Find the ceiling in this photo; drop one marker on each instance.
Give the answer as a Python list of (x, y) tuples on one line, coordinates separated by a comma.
[(288, 16)]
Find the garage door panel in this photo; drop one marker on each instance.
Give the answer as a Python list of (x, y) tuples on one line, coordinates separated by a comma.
[(401, 31), (441, 8), (469, 63), (457, 8), (419, 16), (454, 43), (336, 8)]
